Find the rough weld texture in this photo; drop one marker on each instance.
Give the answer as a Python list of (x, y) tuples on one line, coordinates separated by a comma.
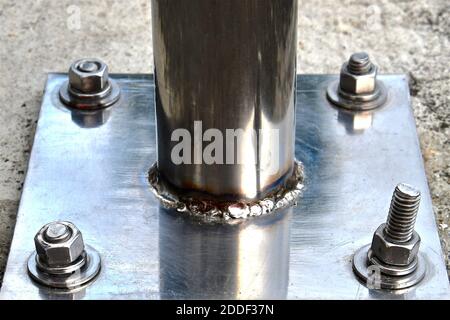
[(410, 37), (228, 212)]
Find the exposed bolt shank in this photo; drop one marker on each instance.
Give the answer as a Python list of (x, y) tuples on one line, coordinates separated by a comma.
[(403, 213), (57, 232), (359, 63)]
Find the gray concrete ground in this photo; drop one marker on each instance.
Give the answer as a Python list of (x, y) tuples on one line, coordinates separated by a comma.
[(40, 36)]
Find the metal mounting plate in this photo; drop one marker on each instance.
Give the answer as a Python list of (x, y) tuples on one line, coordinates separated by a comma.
[(91, 168)]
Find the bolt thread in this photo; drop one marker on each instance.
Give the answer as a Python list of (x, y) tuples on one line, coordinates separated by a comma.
[(359, 63), (402, 213)]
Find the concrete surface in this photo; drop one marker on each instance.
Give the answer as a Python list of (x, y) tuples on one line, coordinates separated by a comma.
[(40, 36)]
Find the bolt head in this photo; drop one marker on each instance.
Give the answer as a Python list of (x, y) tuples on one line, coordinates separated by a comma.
[(89, 76), (358, 83), (397, 254), (59, 246)]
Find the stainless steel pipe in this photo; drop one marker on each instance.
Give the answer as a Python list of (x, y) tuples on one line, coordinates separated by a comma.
[(215, 261), (225, 78)]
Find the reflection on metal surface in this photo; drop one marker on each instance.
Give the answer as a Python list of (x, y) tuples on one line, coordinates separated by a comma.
[(239, 74), (218, 210), (74, 294), (348, 179), (403, 294), (355, 122), (204, 261), (90, 118)]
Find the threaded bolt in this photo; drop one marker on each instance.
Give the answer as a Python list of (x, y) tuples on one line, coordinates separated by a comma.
[(57, 232), (359, 63), (89, 66), (402, 213)]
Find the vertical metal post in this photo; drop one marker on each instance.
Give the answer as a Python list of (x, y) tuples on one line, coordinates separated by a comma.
[(224, 66), (216, 261)]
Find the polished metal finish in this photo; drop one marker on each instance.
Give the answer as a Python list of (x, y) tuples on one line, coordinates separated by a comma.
[(239, 75), (89, 86), (358, 88), (61, 259), (97, 177), (191, 263), (394, 251)]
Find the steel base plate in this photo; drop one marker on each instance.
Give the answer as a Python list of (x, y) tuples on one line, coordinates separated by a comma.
[(91, 168)]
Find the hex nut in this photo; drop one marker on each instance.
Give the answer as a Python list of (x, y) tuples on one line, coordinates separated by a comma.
[(397, 254), (89, 80), (358, 84), (59, 253)]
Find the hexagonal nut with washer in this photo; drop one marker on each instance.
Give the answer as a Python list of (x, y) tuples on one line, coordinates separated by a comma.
[(358, 84), (397, 254), (89, 76), (59, 253)]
